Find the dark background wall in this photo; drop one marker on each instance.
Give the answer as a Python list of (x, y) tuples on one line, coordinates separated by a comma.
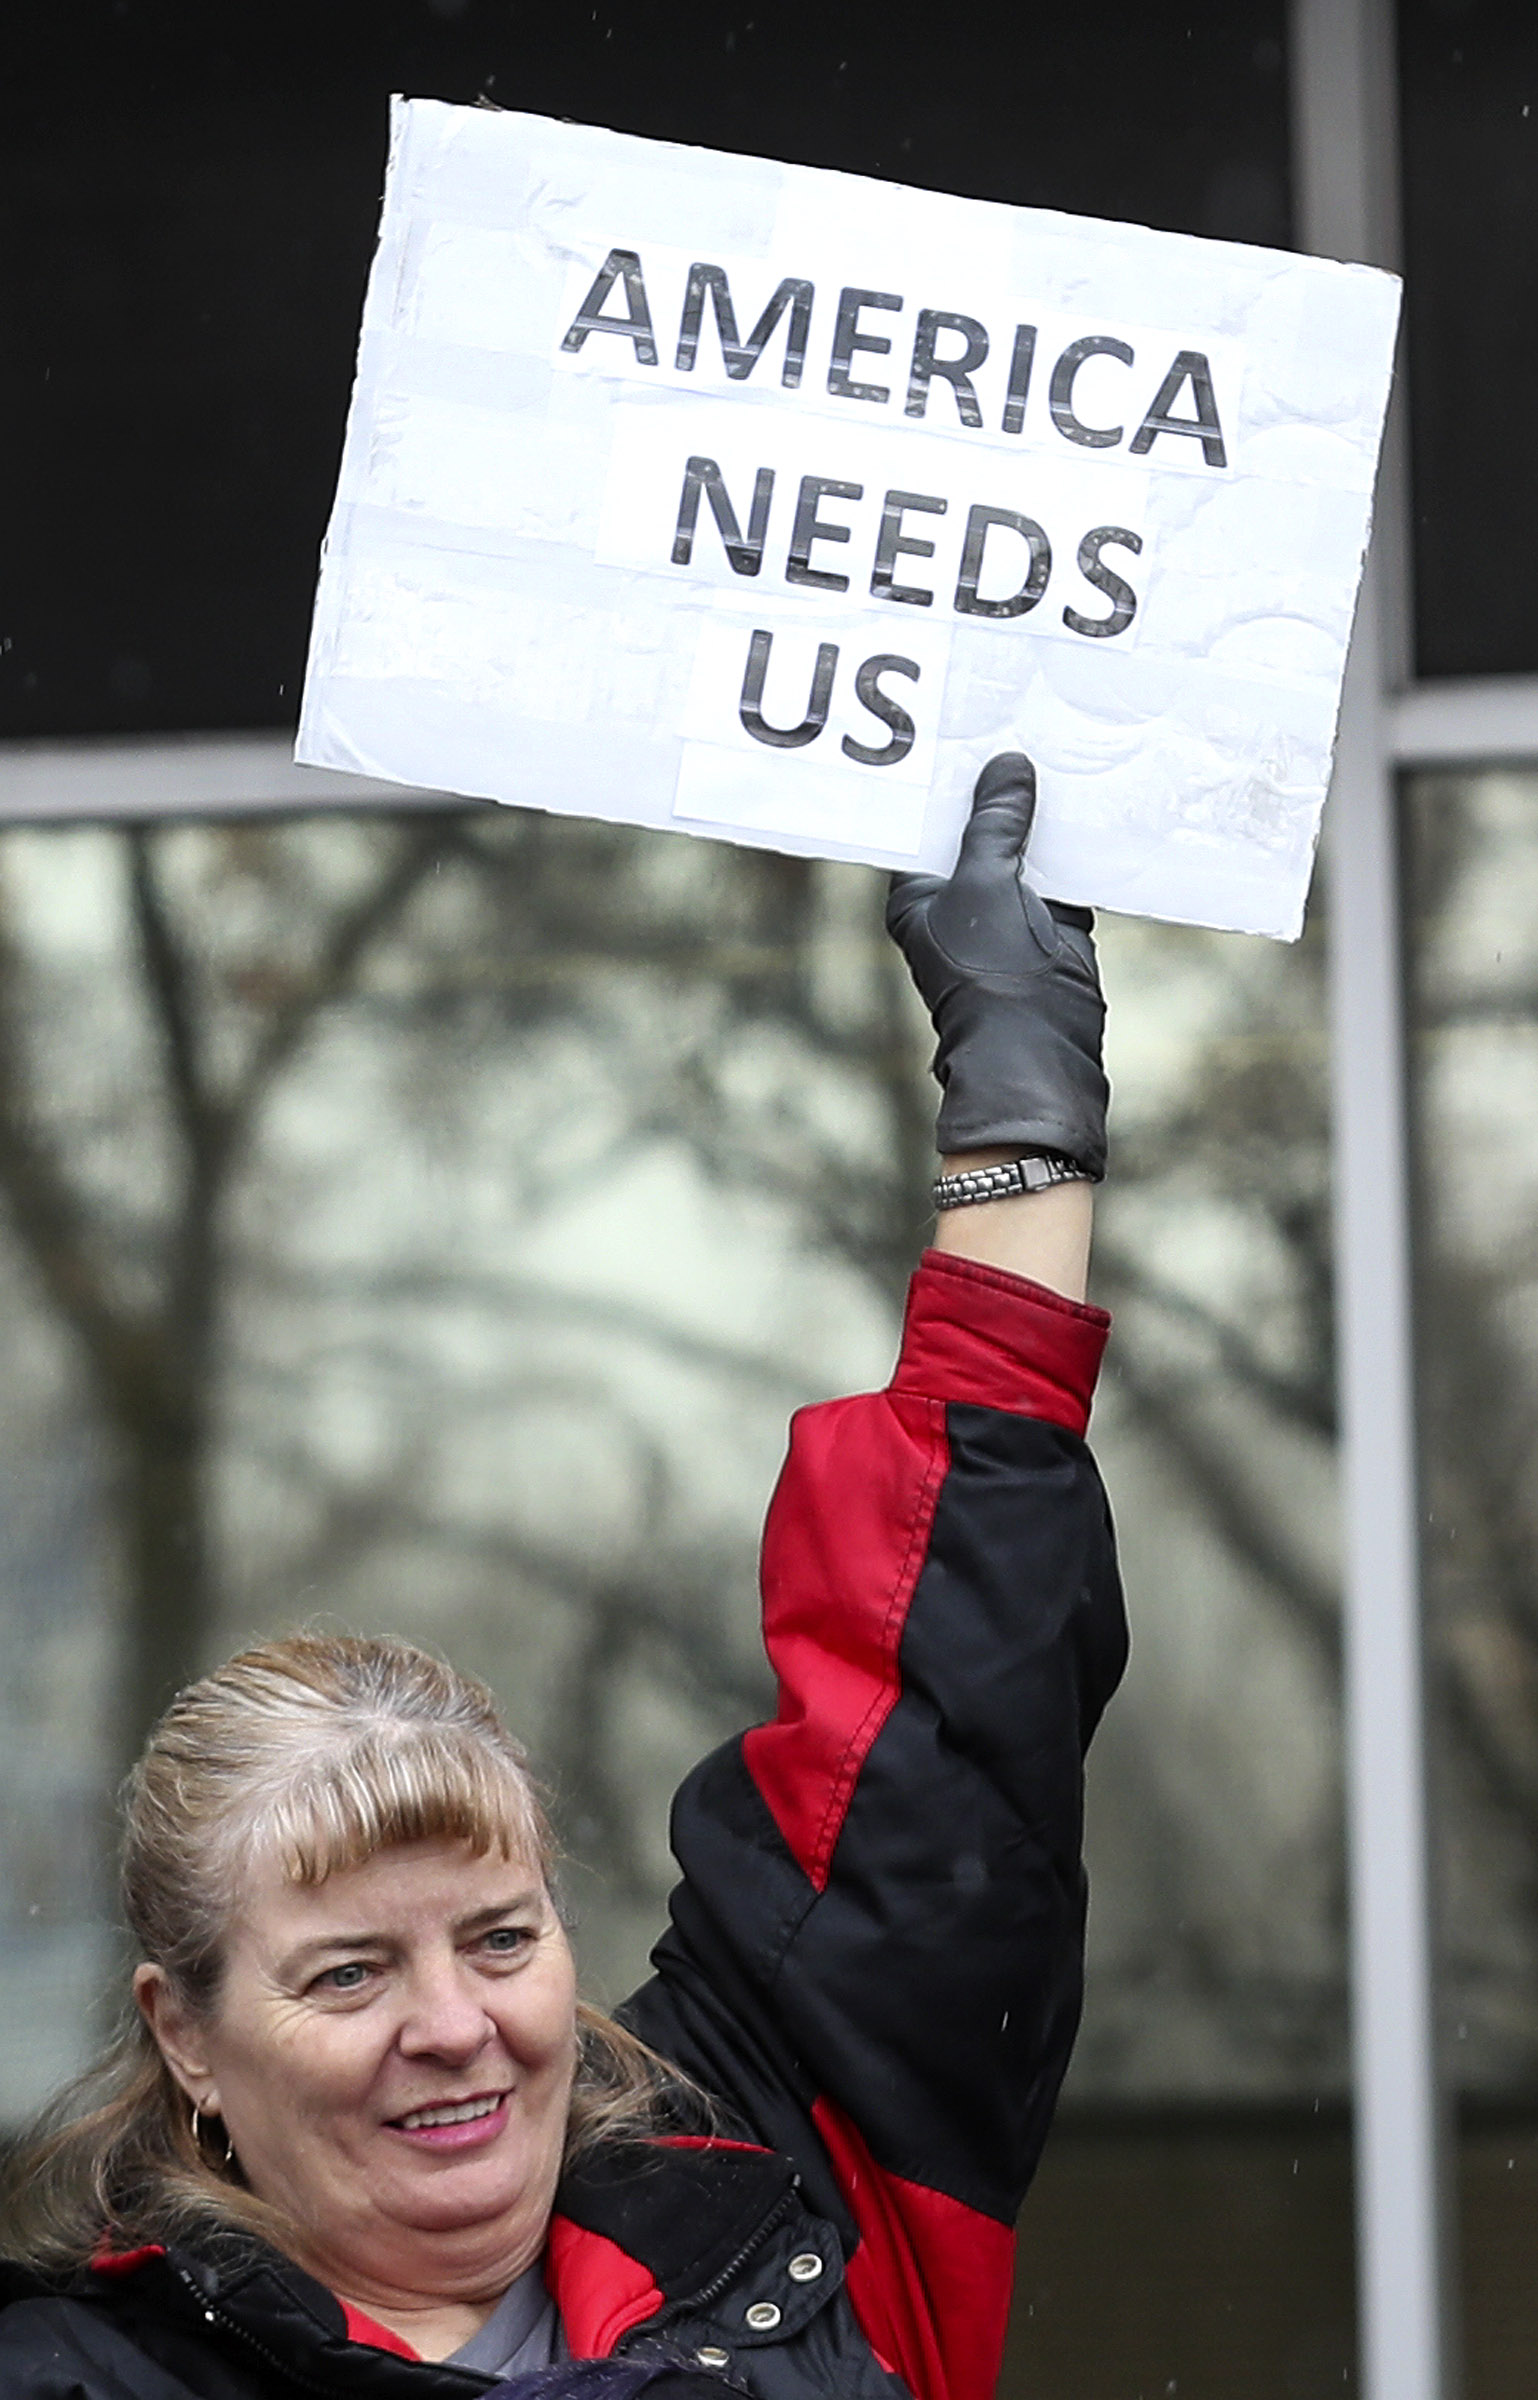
[(188, 197), (187, 206), (1211, 2256), (1469, 71)]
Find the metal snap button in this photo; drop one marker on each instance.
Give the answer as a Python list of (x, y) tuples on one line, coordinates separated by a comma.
[(710, 2356), (763, 2316), (805, 2267)]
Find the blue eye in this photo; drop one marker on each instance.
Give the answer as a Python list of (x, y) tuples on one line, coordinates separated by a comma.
[(506, 1939), (346, 1978)]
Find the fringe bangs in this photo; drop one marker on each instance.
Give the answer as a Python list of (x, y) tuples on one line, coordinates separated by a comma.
[(382, 1788)]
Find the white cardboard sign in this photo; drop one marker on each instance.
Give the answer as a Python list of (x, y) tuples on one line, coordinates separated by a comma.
[(765, 502)]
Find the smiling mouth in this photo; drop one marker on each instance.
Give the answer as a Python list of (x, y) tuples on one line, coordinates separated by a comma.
[(453, 2112)]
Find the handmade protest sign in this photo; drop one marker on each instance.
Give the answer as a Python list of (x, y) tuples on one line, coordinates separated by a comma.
[(765, 502)]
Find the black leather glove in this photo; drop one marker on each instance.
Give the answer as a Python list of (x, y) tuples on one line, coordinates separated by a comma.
[(1012, 985)]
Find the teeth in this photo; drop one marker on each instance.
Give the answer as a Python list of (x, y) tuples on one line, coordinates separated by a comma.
[(461, 2113)]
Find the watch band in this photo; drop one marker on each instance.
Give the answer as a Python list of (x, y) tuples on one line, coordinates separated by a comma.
[(1008, 1181)]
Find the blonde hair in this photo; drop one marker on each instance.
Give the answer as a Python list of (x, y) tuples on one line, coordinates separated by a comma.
[(320, 1750)]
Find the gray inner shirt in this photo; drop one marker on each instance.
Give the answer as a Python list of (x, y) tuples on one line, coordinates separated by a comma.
[(522, 2331)]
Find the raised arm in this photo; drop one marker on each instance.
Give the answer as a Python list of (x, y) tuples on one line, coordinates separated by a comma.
[(876, 1950)]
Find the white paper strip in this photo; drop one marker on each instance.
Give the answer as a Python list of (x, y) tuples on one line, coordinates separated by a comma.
[(755, 500)]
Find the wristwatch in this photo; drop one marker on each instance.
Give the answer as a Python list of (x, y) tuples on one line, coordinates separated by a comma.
[(1014, 1176)]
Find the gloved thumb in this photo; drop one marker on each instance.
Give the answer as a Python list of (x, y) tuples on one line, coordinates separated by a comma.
[(1003, 808)]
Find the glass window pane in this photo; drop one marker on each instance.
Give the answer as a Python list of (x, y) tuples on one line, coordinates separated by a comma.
[(426, 1224), (1206, 2112), (429, 1224), (188, 200), (1473, 852)]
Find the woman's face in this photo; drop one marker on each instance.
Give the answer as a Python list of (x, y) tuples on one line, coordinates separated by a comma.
[(392, 2055)]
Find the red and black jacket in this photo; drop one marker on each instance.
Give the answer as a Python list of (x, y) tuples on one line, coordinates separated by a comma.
[(875, 1954)]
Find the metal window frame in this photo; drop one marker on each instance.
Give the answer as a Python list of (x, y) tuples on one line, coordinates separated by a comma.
[(1346, 181), (1343, 63), (181, 775)]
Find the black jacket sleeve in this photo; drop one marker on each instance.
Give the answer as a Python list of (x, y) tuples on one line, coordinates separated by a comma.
[(875, 1955)]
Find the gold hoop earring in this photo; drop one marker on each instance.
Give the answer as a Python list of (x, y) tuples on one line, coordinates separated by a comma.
[(197, 2136)]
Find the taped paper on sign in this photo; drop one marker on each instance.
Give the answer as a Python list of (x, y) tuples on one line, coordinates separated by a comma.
[(768, 503)]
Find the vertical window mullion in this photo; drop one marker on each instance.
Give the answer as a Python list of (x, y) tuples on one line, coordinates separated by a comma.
[(1347, 206)]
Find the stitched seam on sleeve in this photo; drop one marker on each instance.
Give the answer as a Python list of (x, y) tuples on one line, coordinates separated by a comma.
[(857, 1749)]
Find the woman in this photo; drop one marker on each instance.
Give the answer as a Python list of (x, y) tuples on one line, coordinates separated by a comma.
[(362, 2137)]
